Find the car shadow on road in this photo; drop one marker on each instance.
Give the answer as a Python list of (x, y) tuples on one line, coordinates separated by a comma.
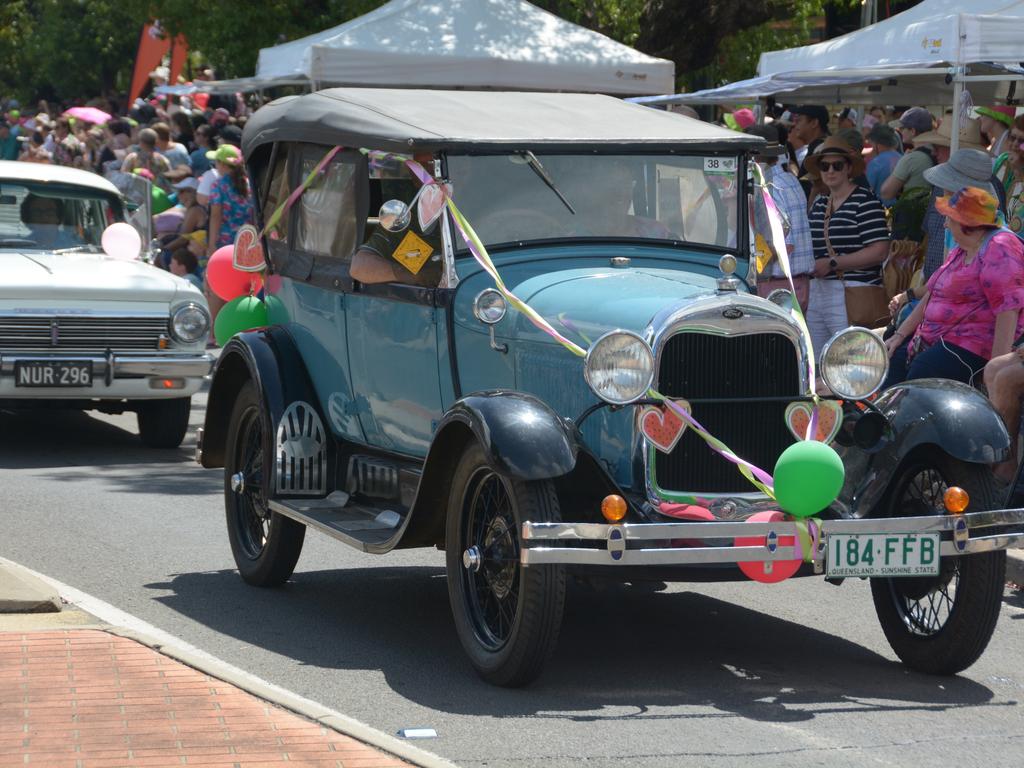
[(620, 655), (81, 447)]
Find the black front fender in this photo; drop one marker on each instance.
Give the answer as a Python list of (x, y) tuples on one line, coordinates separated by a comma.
[(951, 416), (521, 436), (267, 357)]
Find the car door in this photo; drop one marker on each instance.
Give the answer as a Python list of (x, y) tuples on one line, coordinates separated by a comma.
[(393, 347)]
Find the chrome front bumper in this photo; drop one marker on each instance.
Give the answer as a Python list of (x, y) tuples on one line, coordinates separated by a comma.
[(110, 366), (604, 544)]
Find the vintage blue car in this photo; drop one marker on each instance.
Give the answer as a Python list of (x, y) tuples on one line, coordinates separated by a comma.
[(399, 399)]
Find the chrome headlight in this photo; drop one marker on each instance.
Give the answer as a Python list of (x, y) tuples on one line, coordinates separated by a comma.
[(619, 367), (190, 323), (854, 363)]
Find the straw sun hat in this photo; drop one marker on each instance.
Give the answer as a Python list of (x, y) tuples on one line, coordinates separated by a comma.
[(835, 147)]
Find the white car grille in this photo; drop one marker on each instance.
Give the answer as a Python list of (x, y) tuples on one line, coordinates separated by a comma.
[(81, 333)]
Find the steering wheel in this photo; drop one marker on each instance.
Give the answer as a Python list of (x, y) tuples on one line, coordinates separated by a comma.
[(528, 220)]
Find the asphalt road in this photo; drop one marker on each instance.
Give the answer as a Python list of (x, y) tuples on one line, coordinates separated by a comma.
[(716, 675)]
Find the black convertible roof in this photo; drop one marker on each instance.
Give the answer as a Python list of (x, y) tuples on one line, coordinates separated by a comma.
[(403, 120)]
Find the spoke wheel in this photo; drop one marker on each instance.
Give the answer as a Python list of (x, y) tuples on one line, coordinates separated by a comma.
[(507, 616), (265, 545), (941, 624)]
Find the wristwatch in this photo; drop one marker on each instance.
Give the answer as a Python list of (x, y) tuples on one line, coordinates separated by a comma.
[(833, 265)]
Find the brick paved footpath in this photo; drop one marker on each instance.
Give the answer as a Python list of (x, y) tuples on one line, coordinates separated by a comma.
[(86, 698)]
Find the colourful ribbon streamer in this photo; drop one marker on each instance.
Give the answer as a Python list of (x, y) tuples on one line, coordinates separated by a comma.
[(757, 476), (283, 208), (778, 236)]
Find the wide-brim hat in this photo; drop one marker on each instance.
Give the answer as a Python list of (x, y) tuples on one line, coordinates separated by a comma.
[(965, 168), (970, 134), (970, 206), (772, 148), (835, 146)]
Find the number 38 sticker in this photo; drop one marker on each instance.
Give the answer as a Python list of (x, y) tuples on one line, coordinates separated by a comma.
[(720, 165)]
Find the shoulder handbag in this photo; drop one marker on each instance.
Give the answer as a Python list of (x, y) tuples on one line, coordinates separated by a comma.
[(866, 305)]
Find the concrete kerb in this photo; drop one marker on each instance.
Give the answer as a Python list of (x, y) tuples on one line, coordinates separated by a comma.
[(178, 650), (21, 591)]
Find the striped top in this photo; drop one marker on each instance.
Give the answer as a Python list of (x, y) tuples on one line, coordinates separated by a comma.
[(858, 222)]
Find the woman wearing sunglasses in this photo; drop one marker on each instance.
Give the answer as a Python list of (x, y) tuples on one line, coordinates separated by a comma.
[(848, 234), (1009, 170), (970, 310)]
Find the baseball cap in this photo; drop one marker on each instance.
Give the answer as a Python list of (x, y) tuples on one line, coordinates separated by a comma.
[(231, 134), (847, 113), (1004, 115), (917, 119), (813, 111), (189, 182), (225, 153)]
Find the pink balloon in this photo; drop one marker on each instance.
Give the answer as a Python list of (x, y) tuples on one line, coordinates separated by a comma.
[(121, 241), (768, 572), (226, 281)]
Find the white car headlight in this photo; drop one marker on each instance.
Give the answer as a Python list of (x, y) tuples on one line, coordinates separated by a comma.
[(854, 363), (619, 367), (190, 323)]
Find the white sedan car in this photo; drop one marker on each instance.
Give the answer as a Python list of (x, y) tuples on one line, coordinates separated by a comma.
[(82, 330)]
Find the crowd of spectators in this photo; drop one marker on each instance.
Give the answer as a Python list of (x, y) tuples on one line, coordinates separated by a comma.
[(888, 184), (188, 148)]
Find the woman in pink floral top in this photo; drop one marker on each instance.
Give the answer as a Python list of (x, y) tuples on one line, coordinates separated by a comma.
[(971, 307)]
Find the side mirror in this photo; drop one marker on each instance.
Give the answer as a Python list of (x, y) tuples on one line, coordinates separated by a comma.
[(395, 216)]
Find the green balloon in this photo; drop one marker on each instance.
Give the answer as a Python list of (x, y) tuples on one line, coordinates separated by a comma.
[(160, 200), (239, 315), (808, 477), (276, 312)]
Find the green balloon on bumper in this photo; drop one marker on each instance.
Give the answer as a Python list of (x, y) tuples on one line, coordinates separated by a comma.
[(808, 477), (239, 315)]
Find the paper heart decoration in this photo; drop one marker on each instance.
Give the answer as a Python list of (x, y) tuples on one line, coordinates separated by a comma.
[(247, 255), (431, 203), (662, 426), (830, 419)]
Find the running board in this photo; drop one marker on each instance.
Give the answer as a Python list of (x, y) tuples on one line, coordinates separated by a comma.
[(364, 528)]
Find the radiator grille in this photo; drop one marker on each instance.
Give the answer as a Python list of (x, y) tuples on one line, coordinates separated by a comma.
[(697, 365), (70, 333)]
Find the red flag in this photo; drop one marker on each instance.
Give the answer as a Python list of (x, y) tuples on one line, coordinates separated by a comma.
[(153, 44)]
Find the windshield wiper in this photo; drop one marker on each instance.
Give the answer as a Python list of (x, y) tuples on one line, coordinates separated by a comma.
[(539, 169), (88, 247)]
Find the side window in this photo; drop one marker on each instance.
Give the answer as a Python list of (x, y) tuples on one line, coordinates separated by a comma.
[(277, 192), (326, 223)]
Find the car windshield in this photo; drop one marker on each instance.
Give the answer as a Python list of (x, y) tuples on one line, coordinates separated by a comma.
[(43, 216), (678, 198)]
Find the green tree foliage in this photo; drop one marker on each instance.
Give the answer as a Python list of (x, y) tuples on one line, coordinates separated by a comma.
[(57, 49)]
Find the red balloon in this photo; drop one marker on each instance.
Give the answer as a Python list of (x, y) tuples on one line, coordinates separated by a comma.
[(226, 281)]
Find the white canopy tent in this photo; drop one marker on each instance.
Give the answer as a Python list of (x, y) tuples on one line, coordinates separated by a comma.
[(925, 55), (476, 44)]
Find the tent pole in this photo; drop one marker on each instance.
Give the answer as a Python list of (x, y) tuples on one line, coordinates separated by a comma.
[(958, 92)]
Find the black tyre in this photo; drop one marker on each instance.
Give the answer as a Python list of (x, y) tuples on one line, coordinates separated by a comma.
[(507, 617), (941, 624), (163, 423), (265, 545)]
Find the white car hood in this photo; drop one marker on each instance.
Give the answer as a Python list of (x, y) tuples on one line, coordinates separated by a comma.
[(72, 277)]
